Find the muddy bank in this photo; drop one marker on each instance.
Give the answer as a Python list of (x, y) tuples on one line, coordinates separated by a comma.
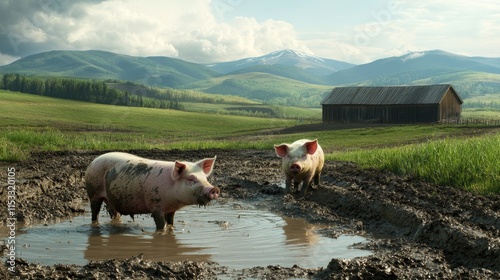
[(420, 230)]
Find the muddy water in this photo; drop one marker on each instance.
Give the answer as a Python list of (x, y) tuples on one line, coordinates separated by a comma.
[(234, 235)]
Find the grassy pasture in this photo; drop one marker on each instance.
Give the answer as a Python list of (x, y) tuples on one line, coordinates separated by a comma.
[(256, 110), (471, 163), (482, 107), (33, 122), (439, 153)]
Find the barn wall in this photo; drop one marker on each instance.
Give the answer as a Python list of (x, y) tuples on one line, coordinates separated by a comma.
[(450, 107), (382, 113)]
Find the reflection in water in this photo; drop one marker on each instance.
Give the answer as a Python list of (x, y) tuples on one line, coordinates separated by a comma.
[(233, 237), (109, 243), (299, 231)]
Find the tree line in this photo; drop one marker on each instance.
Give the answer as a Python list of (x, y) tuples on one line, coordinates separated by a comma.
[(83, 90)]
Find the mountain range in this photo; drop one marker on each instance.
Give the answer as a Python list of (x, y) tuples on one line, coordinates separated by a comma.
[(280, 77)]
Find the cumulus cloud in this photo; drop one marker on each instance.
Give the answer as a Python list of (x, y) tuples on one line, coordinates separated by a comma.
[(7, 59), (187, 30), (27, 26), (220, 30)]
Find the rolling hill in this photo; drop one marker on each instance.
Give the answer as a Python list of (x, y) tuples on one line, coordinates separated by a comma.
[(154, 71), (281, 77), (265, 87), (413, 67)]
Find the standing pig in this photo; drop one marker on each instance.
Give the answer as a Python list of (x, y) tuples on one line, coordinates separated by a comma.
[(302, 161), (133, 185)]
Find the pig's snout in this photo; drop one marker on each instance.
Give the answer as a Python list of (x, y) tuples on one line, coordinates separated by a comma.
[(213, 193), (295, 168)]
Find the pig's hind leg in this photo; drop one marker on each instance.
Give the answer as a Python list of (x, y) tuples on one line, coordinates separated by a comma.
[(95, 207), (113, 213)]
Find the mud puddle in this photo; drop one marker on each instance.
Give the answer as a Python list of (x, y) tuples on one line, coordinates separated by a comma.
[(234, 235)]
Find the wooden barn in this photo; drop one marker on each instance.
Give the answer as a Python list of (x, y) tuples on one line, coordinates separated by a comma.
[(392, 104)]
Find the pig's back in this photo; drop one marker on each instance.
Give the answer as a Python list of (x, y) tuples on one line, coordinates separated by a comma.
[(97, 171)]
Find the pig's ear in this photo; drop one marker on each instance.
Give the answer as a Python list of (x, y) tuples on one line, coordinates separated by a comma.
[(281, 150), (311, 146), (207, 165), (178, 170)]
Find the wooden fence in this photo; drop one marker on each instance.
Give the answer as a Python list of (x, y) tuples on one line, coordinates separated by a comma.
[(476, 122)]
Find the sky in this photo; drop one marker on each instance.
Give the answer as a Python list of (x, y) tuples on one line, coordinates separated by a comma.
[(206, 31)]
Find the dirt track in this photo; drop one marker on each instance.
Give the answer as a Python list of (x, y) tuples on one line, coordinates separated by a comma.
[(423, 231)]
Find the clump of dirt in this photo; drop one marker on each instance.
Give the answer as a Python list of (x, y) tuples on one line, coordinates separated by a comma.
[(419, 230), (132, 268)]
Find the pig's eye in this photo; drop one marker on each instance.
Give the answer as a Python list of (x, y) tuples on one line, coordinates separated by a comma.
[(192, 179)]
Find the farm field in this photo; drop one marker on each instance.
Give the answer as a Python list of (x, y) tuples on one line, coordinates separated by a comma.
[(37, 123)]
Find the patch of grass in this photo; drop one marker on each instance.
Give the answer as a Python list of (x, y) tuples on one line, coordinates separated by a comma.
[(484, 114), (16, 144), (470, 163)]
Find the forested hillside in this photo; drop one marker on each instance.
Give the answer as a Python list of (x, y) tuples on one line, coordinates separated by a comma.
[(110, 92)]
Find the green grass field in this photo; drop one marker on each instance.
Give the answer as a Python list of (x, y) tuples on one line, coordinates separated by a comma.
[(445, 154), (287, 112), (33, 122), (471, 163)]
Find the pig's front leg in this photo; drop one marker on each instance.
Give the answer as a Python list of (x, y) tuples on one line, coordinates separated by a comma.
[(288, 184), (296, 185), (159, 218), (305, 185), (316, 179), (170, 218)]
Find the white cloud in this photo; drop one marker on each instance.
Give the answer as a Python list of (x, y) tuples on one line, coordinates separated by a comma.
[(7, 59), (462, 27), (187, 30), (206, 31)]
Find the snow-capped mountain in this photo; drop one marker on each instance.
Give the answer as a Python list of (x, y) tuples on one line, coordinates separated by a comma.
[(313, 65), (414, 66)]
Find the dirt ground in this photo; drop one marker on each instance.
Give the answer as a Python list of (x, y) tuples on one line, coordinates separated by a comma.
[(420, 230)]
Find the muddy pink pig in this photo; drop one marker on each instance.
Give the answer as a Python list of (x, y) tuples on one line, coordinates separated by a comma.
[(133, 185), (302, 161)]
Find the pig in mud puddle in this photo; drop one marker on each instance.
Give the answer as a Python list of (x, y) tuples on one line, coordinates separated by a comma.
[(232, 234), (131, 185)]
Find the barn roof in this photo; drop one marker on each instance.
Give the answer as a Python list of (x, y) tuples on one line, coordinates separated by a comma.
[(389, 95)]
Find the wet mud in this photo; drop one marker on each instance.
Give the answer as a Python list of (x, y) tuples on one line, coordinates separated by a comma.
[(418, 230)]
